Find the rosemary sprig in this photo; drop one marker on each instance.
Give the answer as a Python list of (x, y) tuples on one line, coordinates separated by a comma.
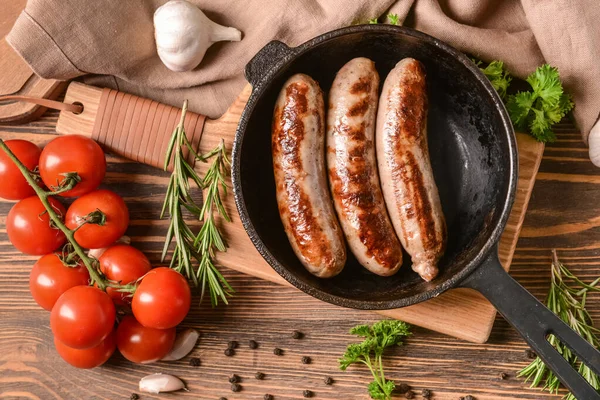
[(201, 247), (566, 299)]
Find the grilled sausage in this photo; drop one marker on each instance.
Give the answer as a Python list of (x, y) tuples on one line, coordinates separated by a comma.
[(298, 146), (407, 180), (353, 169)]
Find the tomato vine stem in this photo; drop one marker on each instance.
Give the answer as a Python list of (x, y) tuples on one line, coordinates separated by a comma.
[(43, 196)]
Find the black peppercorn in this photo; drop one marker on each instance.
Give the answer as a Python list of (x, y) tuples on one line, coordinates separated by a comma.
[(235, 387), (503, 375), (277, 351), (307, 393), (252, 344), (403, 388), (410, 394), (469, 397), (259, 375), (232, 344), (297, 335), (530, 353), (268, 397), (234, 378), (134, 396), (229, 352), (195, 362), (328, 380), (426, 393), (306, 360), (222, 398)]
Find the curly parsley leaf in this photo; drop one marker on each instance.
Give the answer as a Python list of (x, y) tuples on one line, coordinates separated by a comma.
[(518, 107), (498, 76), (540, 109), (362, 331), (378, 337), (541, 127), (378, 392), (375, 391), (373, 21), (546, 84), (394, 19)]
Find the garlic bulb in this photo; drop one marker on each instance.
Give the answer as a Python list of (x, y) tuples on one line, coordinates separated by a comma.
[(183, 34)]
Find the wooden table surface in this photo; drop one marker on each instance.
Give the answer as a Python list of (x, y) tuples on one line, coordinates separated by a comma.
[(563, 213)]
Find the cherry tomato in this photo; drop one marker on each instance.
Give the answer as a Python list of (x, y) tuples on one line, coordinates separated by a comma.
[(14, 186), (87, 358), (162, 299), (82, 317), (94, 236), (143, 345), (50, 278), (28, 227), (73, 153), (125, 264)]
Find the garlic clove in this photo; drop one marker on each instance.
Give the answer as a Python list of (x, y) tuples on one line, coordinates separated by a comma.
[(594, 143), (159, 383), (184, 344), (97, 253), (183, 34), (220, 33)]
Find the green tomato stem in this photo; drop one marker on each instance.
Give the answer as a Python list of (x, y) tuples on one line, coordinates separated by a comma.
[(43, 196)]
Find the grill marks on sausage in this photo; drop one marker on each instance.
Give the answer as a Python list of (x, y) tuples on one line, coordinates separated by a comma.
[(288, 131), (412, 113), (362, 85), (297, 101), (359, 108), (421, 207), (353, 188), (410, 123)]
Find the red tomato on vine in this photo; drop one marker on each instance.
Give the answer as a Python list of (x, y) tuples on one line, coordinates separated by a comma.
[(14, 186), (50, 278), (28, 226), (70, 154)]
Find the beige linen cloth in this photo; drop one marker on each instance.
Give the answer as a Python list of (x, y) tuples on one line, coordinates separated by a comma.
[(111, 42)]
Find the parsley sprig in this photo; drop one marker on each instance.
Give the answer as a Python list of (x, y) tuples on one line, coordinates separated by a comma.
[(566, 298), (546, 105), (498, 76), (378, 337), (535, 110), (394, 19)]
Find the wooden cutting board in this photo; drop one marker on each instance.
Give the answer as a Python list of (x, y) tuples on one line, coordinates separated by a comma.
[(462, 313), (17, 77)]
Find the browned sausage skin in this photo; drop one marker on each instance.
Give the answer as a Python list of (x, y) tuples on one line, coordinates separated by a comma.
[(298, 147), (405, 168), (353, 169)]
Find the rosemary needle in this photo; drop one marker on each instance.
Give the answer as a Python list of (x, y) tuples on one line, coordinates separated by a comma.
[(566, 298), (200, 247)]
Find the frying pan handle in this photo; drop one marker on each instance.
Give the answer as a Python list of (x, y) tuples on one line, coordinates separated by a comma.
[(535, 322), (268, 57)]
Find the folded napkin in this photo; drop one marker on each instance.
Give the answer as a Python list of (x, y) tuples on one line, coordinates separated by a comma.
[(111, 43)]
